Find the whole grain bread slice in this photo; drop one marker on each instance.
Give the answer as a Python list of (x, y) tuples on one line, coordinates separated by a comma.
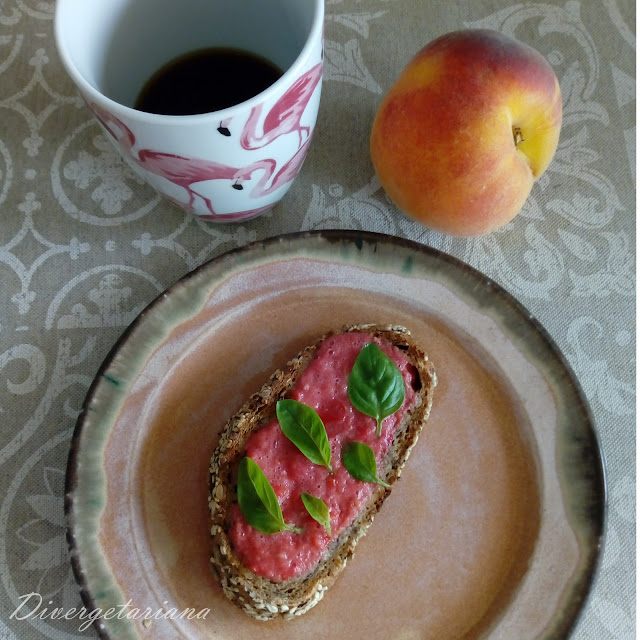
[(260, 597)]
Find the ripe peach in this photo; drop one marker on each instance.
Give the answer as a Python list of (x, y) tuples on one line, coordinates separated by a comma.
[(471, 122)]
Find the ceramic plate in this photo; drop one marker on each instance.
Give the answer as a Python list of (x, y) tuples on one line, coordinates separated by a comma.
[(495, 528)]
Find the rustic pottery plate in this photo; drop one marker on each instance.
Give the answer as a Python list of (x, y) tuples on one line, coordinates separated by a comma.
[(495, 528)]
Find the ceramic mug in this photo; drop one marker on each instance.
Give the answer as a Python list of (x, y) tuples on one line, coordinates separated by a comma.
[(226, 165)]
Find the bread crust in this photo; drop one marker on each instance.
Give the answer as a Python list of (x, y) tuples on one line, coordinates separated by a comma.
[(260, 597)]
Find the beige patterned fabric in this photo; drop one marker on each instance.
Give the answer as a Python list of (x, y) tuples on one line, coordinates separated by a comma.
[(85, 246)]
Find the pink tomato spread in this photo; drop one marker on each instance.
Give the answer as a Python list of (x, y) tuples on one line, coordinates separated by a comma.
[(323, 386)]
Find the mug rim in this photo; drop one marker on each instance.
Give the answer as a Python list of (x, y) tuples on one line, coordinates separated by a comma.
[(317, 27)]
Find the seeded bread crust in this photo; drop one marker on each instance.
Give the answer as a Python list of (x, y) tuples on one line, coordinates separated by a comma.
[(257, 596)]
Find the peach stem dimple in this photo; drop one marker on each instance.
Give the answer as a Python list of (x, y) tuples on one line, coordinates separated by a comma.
[(517, 136)]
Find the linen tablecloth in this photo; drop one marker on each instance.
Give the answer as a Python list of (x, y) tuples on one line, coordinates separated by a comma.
[(85, 246)]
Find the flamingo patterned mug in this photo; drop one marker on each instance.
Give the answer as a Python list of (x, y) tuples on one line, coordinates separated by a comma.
[(226, 165)]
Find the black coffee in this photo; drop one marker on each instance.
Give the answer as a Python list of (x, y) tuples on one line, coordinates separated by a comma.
[(206, 80)]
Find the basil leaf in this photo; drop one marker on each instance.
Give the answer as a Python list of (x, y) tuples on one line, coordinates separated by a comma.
[(304, 427), (376, 386), (258, 501), (360, 461), (318, 510)]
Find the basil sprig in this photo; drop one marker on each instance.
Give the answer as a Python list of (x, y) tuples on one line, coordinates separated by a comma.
[(258, 501), (304, 427), (376, 386), (360, 461), (318, 510)]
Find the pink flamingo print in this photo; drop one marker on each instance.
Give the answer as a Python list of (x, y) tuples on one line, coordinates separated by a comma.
[(180, 170), (286, 173), (260, 189), (268, 167), (185, 172), (285, 115)]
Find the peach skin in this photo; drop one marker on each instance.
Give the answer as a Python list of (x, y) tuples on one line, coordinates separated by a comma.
[(470, 124)]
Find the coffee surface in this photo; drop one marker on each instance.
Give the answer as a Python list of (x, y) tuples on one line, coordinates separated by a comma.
[(206, 80)]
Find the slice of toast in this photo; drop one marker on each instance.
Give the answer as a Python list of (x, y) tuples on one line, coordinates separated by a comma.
[(258, 596)]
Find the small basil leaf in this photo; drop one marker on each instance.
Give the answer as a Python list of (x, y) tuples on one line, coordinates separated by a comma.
[(318, 510), (360, 461), (376, 386), (303, 426), (258, 501)]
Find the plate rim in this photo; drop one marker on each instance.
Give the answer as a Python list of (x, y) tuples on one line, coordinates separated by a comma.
[(578, 595)]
